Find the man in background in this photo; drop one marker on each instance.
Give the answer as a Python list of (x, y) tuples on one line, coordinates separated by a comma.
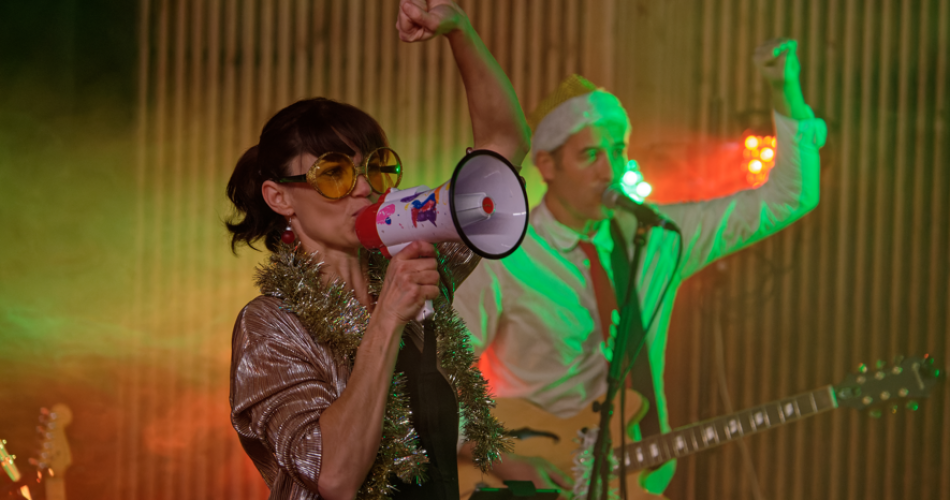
[(543, 320)]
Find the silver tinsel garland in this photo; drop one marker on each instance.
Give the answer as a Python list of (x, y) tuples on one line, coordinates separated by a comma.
[(334, 317)]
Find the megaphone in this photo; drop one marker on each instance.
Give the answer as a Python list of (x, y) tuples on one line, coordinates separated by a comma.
[(483, 205)]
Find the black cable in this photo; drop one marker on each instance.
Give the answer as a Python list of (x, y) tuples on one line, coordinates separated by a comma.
[(601, 464), (628, 363), (659, 305)]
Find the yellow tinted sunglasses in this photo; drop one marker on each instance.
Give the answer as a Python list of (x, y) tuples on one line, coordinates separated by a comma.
[(334, 175)]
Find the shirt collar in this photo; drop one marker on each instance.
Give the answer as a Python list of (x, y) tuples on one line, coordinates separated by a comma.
[(564, 238)]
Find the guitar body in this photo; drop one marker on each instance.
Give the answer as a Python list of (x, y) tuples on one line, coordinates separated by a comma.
[(539, 428)]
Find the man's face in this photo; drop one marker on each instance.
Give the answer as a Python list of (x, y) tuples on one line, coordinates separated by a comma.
[(580, 170)]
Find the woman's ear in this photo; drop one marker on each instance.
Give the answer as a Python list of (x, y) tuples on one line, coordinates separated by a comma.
[(277, 198)]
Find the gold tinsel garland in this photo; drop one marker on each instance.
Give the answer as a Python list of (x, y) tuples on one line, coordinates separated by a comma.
[(334, 317)]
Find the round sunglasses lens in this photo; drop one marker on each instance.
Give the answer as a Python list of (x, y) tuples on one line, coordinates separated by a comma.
[(333, 175), (383, 169)]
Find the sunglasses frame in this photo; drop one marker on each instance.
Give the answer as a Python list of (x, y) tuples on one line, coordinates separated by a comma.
[(363, 170)]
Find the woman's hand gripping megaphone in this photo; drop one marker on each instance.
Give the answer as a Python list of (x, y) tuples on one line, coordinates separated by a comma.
[(412, 282), (405, 219)]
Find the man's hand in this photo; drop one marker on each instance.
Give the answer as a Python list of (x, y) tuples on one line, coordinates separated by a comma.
[(777, 61), (778, 64), (538, 470), (420, 20)]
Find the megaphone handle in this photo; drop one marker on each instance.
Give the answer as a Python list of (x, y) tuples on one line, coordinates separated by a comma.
[(425, 312)]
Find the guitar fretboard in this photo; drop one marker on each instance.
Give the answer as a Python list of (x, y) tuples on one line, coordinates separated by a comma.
[(656, 450)]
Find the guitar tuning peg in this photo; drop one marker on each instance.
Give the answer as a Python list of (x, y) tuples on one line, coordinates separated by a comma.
[(875, 413), (928, 368), (879, 364), (862, 368), (912, 405)]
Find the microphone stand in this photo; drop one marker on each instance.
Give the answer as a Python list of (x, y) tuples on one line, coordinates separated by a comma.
[(601, 451)]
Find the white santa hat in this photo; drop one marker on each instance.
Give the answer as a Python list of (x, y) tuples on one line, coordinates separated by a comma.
[(575, 104)]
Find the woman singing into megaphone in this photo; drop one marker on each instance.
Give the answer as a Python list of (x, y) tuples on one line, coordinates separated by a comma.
[(325, 400)]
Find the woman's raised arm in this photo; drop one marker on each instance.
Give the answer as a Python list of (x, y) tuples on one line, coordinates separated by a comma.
[(498, 122)]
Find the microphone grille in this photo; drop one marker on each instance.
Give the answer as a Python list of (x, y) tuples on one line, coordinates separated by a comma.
[(609, 198)]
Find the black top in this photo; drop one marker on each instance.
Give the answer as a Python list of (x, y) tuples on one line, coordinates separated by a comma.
[(435, 417)]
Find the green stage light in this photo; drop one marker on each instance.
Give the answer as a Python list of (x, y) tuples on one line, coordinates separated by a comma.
[(633, 184)]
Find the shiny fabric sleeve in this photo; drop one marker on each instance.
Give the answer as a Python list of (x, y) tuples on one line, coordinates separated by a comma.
[(281, 382), (714, 228)]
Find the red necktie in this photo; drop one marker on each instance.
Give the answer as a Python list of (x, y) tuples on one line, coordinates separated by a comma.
[(640, 378), (603, 289)]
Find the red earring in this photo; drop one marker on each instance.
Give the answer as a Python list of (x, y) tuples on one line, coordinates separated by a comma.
[(288, 235)]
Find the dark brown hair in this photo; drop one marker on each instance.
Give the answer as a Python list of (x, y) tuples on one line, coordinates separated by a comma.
[(310, 126)]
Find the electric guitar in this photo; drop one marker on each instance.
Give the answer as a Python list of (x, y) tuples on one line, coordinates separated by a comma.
[(55, 457), (567, 442)]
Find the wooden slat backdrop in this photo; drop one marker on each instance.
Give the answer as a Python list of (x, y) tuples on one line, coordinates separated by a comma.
[(863, 277)]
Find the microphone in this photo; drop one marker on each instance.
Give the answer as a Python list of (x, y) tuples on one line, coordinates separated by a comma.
[(613, 197)]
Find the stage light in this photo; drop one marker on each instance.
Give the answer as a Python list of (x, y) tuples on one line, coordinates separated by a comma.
[(758, 158), (633, 184), (644, 189), (631, 178)]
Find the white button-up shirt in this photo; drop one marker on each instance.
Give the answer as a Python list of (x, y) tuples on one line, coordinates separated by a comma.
[(533, 315)]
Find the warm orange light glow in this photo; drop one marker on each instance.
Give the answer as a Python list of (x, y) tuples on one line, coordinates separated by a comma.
[(755, 166), (772, 142), (767, 154), (751, 142)]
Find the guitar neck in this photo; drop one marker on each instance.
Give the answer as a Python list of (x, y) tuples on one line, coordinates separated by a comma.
[(656, 450), (55, 488)]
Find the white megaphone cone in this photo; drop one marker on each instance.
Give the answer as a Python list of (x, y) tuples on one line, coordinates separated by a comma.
[(484, 205)]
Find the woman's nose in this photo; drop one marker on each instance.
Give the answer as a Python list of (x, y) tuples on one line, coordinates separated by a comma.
[(362, 189)]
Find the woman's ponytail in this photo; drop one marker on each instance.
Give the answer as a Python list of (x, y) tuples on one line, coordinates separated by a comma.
[(253, 219)]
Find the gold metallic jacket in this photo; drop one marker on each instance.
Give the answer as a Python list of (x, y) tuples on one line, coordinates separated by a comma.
[(282, 381)]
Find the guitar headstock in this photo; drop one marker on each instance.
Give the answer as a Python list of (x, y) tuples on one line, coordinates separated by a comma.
[(55, 456), (888, 387)]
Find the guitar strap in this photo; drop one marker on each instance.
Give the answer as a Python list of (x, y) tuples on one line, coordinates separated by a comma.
[(641, 377)]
